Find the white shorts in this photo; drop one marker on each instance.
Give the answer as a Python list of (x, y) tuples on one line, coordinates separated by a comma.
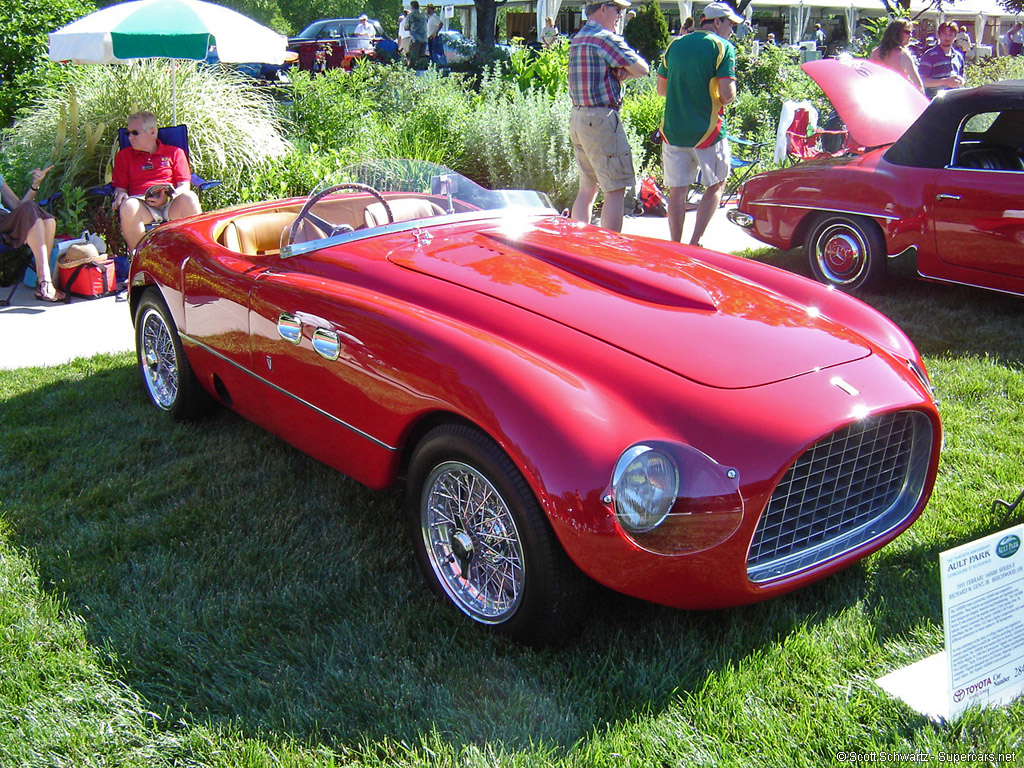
[(686, 165)]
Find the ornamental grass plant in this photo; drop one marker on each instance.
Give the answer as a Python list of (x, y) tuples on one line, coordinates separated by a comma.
[(72, 124)]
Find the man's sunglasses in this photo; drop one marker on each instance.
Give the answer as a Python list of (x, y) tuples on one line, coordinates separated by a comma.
[(135, 133), (618, 8)]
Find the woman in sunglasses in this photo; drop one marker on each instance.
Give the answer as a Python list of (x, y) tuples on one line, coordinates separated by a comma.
[(142, 171)]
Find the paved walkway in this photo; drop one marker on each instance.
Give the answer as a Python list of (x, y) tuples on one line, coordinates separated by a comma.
[(35, 333)]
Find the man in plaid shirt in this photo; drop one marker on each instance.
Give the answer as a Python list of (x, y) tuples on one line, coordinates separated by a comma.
[(599, 60)]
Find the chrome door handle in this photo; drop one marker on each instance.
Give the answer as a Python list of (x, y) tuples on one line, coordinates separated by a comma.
[(944, 196)]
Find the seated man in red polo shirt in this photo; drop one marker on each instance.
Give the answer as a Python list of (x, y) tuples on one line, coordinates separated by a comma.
[(152, 181)]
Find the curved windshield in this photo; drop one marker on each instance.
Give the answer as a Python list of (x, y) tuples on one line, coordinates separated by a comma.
[(377, 196)]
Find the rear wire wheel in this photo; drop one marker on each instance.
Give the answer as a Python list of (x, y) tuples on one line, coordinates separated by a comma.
[(166, 374), (846, 251), (483, 543)]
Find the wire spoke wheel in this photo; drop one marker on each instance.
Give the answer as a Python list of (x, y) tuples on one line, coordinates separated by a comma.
[(168, 377), (472, 542), (159, 360)]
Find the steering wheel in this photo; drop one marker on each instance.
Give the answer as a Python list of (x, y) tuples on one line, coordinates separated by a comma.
[(326, 226)]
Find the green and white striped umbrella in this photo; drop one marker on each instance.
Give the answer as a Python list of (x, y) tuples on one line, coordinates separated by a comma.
[(172, 29)]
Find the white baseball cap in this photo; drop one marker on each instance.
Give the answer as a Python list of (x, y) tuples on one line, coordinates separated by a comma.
[(722, 11)]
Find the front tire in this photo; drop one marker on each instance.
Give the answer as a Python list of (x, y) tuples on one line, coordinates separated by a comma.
[(168, 378), (846, 251), (483, 543)]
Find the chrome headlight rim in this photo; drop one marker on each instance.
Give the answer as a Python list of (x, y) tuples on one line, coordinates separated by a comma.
[(660, 498)]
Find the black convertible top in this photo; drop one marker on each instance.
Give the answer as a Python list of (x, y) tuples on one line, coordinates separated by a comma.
[(929, 141)]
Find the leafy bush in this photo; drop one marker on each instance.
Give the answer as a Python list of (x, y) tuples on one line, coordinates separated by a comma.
[(233, 127), (521, 141), (294, 174), (332, 109), (422, 113), (546, 69), (994, 69), (643, 111)]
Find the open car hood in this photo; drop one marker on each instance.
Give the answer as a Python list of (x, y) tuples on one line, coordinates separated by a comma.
[(670, 309), (876, 104)]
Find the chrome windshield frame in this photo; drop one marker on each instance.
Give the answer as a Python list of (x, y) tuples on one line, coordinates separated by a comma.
[(298, 249)]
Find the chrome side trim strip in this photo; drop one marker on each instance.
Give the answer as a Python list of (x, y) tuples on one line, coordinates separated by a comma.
[(869, 214), (294, 397), (969, 285)]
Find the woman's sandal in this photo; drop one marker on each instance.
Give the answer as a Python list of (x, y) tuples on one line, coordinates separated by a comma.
[(41, 293)]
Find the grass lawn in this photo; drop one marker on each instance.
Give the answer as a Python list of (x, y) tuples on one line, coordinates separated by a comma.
[(206, 595)]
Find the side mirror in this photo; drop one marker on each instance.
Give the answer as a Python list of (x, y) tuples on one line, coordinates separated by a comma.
[(445, 184)]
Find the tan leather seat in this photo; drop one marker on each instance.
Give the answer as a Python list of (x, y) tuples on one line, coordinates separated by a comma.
[(403, 209), (257, 234)]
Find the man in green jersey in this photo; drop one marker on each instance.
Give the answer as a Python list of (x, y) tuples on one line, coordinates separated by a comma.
[(697, 79)]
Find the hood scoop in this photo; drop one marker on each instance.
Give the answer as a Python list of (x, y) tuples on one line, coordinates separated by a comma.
[(629, 280), (648, 298)]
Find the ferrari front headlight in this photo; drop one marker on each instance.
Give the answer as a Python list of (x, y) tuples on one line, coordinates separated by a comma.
[(645, 485)]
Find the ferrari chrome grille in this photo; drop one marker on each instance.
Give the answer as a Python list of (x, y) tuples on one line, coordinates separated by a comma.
[(849, 488)]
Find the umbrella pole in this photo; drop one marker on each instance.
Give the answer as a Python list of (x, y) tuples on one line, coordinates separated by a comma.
[(174, 93)]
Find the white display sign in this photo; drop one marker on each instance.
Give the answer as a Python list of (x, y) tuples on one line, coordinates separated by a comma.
[(448, 11), (983, 613)]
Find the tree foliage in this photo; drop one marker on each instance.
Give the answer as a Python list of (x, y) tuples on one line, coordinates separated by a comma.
[(647, 32), (24, 62)]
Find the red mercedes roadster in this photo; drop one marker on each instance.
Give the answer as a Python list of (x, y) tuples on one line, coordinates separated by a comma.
[(939, 194), (563, 403)]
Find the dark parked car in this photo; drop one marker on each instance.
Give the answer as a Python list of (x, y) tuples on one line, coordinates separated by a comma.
[(332, 43)]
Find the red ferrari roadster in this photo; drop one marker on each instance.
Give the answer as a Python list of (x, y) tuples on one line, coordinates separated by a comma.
[(939, 194), (563, 403)]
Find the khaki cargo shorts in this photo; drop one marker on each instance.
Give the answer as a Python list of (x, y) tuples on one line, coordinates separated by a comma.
[(684, 165), (602, 150)]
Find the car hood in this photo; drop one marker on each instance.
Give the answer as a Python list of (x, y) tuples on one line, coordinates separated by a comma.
[(876, 104), (644, 296)]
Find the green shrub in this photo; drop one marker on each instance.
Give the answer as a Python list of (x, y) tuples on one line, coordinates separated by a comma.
[(422, 114), (546, 69), (994, 69), (332, 109), (643, 111), (294, 174), (520, 140)]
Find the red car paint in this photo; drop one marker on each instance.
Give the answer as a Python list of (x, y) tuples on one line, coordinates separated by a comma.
[(944, 191), (564, 343)]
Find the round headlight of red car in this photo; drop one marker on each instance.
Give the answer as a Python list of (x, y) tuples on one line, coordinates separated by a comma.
[(646, 485)]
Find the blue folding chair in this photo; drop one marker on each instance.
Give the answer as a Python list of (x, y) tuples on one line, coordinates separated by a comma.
[(739, 169), (742, 167)]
